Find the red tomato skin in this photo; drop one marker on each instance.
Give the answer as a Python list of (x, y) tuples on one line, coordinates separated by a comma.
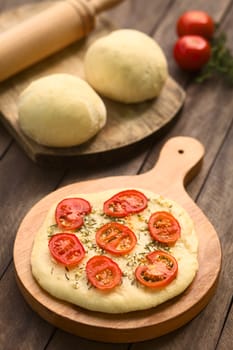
[(123, 206), (74, 246), (154, 258), (195, 23), (192, 52), (96, 265), (168, 231), (111, 244), (72, 205)]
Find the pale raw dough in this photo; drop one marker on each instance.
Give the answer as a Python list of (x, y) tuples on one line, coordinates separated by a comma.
[(60, 110), (72, 285), (126, 66)]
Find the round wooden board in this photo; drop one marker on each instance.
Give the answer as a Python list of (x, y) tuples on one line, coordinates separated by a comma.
[(126, 125), (179, 160)]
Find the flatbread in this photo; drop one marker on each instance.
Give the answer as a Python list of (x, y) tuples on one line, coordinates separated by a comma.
[(72, 285)]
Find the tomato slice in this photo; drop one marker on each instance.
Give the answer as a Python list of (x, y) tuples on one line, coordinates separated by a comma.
[(163, 227), (70, 211), (66, 249), (116, 238), (125, 203), (103, 272), (162, 269)]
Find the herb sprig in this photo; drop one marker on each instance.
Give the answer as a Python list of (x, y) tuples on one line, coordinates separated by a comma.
[(221, 61)]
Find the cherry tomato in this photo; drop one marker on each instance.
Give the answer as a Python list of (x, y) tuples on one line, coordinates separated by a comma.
[(70, 211), (66, 249), (195, 23), (162, 269), (125, 203), (163, 227), (103, 272), (116, 238), (192, 52)]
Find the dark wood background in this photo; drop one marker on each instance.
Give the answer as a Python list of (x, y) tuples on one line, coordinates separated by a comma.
[(206, 115)]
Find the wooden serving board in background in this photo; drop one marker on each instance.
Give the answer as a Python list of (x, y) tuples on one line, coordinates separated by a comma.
[(126, 124), (179, 161)]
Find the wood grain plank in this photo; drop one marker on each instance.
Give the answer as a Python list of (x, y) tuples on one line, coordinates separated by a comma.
[(22, 183), (218, 9), (197, 118), (20, 327), (204, 119), (127, 14), (72, 342), (203, 115), (226, 339), (5, 140), (166, 35), (214, 200)]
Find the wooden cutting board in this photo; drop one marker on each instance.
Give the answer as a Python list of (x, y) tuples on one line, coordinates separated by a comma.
[(179, 161), (126, 125)]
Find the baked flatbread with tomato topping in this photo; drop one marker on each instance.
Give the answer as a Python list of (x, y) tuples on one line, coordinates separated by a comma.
[(115, 251)]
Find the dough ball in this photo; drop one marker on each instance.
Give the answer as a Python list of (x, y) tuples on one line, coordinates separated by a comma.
[(60, 110), (126, 66)]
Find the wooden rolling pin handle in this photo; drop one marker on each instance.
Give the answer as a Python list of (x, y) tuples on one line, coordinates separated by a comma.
[(49, 31), (102, 5), (86, 14)]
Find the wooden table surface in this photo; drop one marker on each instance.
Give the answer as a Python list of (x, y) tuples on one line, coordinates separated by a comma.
[(206, 115)]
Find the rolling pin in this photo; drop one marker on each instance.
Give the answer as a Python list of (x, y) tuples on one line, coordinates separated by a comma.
[(51, 30)]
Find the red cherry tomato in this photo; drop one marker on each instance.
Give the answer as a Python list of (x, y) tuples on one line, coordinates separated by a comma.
[(192, 52), (162, 269), (163, 227), (103, 272), (70, 211), (195, 23), (116, 238), (125, 203), (66, 249)]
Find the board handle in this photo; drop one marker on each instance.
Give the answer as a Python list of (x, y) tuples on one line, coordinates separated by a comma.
[(180, 160)]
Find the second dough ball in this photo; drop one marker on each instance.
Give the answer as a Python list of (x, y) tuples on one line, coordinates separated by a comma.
[(127, 66)]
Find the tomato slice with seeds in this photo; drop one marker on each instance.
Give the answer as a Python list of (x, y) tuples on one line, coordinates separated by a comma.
[(66, 249), (70, 212), (116, 238), (103, 273), (161, 270), (125, 203), (164, 228)]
